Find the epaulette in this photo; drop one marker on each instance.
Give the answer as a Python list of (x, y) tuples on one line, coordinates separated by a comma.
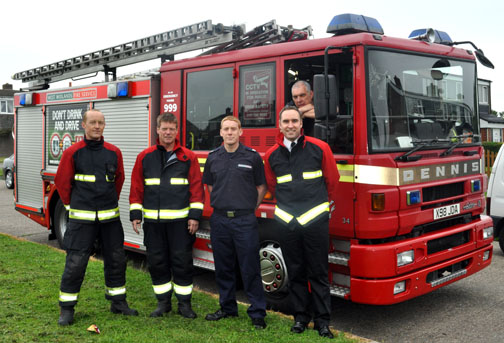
[(250, 149), (214, 150)]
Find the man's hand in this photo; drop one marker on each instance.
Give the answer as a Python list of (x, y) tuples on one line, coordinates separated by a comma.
[(192, 226), (137, 223), (307, 111)]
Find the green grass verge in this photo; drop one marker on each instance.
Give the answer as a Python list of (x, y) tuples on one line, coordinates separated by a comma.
[(29, 285), (1, 164)]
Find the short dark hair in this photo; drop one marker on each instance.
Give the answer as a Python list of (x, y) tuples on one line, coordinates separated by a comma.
[(287, 108), (166, 118), (84, 117)]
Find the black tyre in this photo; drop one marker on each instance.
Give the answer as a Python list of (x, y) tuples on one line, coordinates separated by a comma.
[(274, 272), (9, 179), (60, 222), (501, 239)]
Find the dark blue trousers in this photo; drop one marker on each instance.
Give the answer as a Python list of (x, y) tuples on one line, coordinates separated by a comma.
[(237, 238)]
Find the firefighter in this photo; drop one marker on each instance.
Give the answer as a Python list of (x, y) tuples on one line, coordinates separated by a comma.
[(301, 173), (234, 175), (89, 181), (166, 189), (302, 96)]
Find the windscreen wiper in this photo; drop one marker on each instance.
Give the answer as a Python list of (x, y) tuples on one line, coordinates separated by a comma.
[(419, 145), (460, 140)]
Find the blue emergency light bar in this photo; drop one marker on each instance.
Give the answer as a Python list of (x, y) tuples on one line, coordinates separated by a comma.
[(119, 89), (347, 23), (431, 35)]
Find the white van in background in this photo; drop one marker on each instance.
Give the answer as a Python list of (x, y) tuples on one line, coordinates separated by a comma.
[(495, 197)]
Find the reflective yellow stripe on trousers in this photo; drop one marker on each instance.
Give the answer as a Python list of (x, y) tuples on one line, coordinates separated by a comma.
[(182, 290), (115, 290), (63, 297), (162, 289)]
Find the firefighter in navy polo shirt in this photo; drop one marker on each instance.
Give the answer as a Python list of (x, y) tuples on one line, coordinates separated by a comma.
[(302, 174), (166, 188), (235, 178), (89, 180)]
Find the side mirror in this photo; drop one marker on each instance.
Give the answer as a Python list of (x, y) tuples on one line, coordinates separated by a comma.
[(325, 107)]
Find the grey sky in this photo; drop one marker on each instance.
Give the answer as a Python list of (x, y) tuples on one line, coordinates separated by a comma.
[(35, 33)]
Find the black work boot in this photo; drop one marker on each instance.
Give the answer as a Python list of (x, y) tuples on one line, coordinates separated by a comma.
[(164, 306), (66, 315), (121, 306), (185, 309)]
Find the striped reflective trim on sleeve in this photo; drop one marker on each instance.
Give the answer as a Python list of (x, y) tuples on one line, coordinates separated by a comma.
[(152, 182), (136, 207), (108, 214), (182, 290), (179, 181), (312, 175), (284, 178), (286, 217), (313, 213), (115, 290), (162, 289), (196, 205), (82, 215), (85, 178), (64, 297)]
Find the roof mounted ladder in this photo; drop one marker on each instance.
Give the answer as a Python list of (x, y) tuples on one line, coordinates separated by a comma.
[(164, 45)]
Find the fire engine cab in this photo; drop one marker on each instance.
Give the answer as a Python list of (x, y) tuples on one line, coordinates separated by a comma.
[(410, 215)]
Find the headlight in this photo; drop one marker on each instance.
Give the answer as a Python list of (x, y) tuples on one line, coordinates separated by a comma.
[(405, 257), (488, 232)]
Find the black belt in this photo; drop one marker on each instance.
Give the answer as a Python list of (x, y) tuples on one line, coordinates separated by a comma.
[(233, 213)]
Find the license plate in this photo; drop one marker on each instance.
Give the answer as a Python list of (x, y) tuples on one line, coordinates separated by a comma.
[(446, 211)]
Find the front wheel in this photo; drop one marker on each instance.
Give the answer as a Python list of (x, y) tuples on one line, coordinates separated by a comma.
[(60, 222), (274, 272), (9, 180), (501, 239)]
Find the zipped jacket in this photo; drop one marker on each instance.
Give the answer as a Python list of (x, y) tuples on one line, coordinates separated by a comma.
[(166, 186), (304, 181), (89, 181)]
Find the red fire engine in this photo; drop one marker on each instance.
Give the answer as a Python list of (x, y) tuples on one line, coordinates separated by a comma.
[(410, 216)]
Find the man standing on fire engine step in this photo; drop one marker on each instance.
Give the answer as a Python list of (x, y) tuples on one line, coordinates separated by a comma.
[(302, 174), (89, 181), (166, 188)]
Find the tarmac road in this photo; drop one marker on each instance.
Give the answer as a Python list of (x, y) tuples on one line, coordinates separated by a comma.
[(470, 310)]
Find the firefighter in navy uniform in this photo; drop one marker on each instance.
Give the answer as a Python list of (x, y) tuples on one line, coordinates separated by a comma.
[(235, 178), (166, 188), (302, 174), (89, 181)]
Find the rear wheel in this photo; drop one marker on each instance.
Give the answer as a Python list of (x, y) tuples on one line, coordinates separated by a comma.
[(9, 179), (60, 222)]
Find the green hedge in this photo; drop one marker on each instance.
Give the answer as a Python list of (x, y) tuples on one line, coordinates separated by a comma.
[(492, 146)]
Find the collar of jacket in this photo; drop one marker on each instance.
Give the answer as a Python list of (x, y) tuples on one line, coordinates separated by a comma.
[(94, 144), (280, 139), (175, 147)]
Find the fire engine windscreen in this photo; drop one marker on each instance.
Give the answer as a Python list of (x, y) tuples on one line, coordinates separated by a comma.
[(420, 100)]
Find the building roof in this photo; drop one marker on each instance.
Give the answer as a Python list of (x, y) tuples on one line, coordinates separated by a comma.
[(491, 118)]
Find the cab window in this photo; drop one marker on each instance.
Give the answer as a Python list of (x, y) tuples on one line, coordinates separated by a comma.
[(209, 100), (257, 95)]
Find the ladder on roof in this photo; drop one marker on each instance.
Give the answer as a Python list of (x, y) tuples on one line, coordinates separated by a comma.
[(164, 45)]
